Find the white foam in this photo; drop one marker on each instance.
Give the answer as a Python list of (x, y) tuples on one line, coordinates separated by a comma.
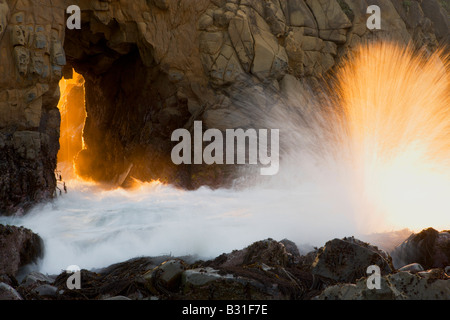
[(90, 227)]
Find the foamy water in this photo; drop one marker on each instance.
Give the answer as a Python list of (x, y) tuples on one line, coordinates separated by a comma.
[(93, 228)]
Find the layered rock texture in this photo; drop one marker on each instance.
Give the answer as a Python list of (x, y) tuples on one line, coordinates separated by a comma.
[(152, 66)]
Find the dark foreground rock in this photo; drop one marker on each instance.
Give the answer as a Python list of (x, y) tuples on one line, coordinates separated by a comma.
[(347, 260), (265, 270), (430, 248), (8, 293), (398, 286), (18, 247)]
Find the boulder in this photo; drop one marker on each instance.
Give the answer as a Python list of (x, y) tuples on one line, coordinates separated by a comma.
[(167, 275), (8, 293), (413, 268), (398, 286), (37, 286), (430, 248), (208, 283), (202, 276), (294, 256), (269, 252), (270, 269), (9, 280), (346, 260), (18, 248), (46, 290), (35, 277), (121, 279)]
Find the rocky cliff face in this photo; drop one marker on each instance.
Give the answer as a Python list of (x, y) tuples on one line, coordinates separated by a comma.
[(154, 66), (32, 57)]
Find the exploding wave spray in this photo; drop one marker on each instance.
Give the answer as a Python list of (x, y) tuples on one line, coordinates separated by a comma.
[(372, 155), (396, 108)]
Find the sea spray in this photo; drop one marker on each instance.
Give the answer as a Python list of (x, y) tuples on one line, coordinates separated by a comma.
[(93, 228), (395, 105)]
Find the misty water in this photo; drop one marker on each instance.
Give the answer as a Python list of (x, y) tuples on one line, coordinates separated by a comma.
[(92, 228)]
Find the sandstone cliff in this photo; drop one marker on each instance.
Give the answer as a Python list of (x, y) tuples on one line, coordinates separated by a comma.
[(152, 66)]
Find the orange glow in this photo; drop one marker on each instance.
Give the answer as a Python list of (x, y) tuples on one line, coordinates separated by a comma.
[(396, 110), (73, 115), (139, 185)]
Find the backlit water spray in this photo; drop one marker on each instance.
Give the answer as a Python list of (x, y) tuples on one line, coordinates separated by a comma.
[(371, 156), (396, 109)]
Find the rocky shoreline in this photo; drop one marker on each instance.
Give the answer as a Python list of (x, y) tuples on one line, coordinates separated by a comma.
[(419, 268)]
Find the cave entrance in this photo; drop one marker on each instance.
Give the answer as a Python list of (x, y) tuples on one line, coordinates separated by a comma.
[(123, 110), (105, 102), (73, 116)]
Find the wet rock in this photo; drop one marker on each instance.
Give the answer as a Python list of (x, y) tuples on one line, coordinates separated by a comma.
[(117, 298), (35, 285), (398, 286), (266, 269), (434, 274), (269, 252), (292, 250), (46, 290), (413, 268), (9, 280), (347, 260), (208, 283), (8, 293), (201, 276), (265, 266), (121, 279), (19, 247), (430, 248), (34, 278), (167, 275)]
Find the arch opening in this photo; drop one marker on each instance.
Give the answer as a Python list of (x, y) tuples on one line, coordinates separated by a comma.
[(73, 116), (124, 107)]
